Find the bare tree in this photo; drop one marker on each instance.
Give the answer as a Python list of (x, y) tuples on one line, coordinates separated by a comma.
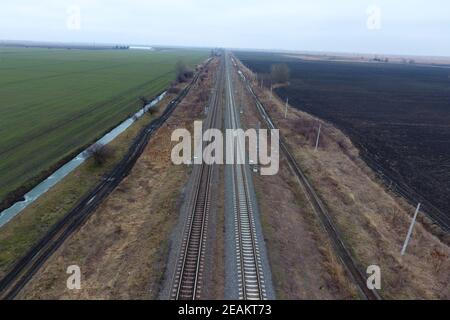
[(153, 110), (280, 73), (144, 101), (100, 153), (183, 71)]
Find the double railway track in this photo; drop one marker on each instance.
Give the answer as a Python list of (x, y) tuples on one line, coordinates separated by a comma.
[(22, 272), (187, 281)]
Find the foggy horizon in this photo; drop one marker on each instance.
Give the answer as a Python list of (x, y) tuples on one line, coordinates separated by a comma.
[(165, 45), (362, 27)]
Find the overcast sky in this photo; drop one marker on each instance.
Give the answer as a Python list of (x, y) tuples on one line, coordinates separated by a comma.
[(380, 26)]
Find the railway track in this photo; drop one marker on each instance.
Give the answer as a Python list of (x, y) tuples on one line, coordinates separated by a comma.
[(251, 276), (187, 285), (251, 281), (354, 270), (22, 272), (187, 281)]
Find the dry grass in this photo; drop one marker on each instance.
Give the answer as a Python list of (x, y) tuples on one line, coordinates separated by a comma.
[(373, 221), (122, 249), (303, 263)]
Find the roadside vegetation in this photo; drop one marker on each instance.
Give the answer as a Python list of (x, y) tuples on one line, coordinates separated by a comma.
[(184, 72), (100, 153)]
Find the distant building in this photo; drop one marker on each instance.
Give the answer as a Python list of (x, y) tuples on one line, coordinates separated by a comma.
[(141, 48), (121, 47)]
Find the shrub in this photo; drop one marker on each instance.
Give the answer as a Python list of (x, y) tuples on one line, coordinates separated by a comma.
[(183, 72), (280, 73), (144, 101), (174, 90), (153, 110), (100, 153)]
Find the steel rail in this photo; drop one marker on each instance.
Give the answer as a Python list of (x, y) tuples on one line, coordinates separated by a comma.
[(186, 281)]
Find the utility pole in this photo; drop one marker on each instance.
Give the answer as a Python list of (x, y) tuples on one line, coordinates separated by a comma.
[(256, 164), (258, 130), (242, 100), (318, 137), (408, 237), (285, 112), (271, 92)]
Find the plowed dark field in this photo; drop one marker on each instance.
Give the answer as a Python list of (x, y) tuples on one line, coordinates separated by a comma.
[(397, 114)]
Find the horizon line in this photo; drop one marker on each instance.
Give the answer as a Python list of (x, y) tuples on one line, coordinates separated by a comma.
[(273, 50)]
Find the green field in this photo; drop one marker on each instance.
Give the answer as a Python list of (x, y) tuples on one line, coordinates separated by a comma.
[(55, 101)]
